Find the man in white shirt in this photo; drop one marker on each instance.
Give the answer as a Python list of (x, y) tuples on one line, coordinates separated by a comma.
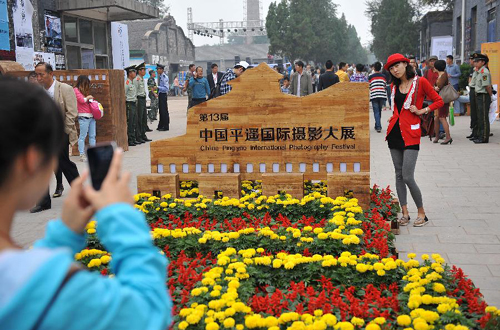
[(214, 77)]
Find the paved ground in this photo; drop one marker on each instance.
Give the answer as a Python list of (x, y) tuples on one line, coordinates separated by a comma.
[(459, 183)]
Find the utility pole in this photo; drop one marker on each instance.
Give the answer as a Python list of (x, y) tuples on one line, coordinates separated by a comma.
[(462, 46)]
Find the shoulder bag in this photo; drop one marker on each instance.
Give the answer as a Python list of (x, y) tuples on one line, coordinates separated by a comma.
[(448, 93)]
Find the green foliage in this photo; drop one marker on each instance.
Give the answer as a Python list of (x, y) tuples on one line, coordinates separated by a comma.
[(441, 4), (394, 27), (300, 30), (464, 76)]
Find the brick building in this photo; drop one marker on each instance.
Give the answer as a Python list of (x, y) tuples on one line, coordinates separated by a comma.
[(481, 24)]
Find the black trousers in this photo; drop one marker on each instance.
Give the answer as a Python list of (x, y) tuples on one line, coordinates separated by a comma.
[(483, 101), (164, 115), (67, 167), (195, 102)]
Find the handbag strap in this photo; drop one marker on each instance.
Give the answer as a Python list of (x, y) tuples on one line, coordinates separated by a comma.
[(71, 272), (416, 90)]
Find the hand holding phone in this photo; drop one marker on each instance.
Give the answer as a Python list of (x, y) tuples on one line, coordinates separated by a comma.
[(114, 188)]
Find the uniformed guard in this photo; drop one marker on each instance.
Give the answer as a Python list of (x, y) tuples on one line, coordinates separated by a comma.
[(142, 116), (131, 102), (483, 98), (163, 87), (472, 97), (153, 96)]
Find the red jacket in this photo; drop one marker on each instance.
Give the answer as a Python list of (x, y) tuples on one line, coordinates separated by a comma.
[(409, 122)]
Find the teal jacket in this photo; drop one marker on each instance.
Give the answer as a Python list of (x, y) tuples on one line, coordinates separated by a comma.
[(200, 87), (136, 298)]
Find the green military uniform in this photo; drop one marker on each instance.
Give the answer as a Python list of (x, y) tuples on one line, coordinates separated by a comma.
[(153, 96), (473, 106), (142, 119), (131, 103), (483, 101), (189, 75)]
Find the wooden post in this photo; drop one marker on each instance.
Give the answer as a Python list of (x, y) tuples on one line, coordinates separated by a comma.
[(291, 183), (164, 183), (358, 183), (227, 183)]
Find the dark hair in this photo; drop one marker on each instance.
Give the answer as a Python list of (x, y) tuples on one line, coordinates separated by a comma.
[(329, 64), (440, 65), (359, 67), (341, 65), (377, 66), (83, 84), (191, 65), (47, 66), (28, 117), (198, 67), (32, 74), (286, 78), (300, 63), (450, 57), (410, 73), (411, 57), (214, 65)]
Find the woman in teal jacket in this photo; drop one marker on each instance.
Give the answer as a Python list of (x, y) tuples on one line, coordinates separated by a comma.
[(43, 288), (200, 87)]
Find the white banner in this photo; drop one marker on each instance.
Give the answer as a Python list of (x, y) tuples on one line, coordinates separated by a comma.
[(44, 57), (119, 43), (442, 46), (22, 14)]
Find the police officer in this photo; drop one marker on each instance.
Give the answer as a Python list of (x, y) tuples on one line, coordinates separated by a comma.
[(472, 96), (131, 103), (163, 87), (142, 116), (483, 98)]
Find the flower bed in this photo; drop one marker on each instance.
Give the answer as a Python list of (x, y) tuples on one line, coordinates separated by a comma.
[(282, 263)]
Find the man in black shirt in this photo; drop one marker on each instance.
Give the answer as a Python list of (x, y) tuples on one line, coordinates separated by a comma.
[(328, 78)]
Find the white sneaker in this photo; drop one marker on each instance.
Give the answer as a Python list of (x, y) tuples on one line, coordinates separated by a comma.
[(83, 158)]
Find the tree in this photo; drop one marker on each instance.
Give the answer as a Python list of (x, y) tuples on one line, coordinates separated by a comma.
[(442, 4), (394, 27), (300, 29), (164, 8)]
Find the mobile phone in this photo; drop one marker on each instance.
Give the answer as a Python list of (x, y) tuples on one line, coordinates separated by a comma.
[(99, 159)]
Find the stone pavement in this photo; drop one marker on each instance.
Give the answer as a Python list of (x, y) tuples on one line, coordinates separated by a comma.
[(461, 191), (459, 183)]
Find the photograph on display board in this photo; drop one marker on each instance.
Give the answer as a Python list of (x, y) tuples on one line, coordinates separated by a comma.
[(53, 33)]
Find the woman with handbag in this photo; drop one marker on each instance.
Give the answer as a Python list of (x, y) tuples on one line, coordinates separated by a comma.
[(86, 120), (444, 111), (43, 287), (408, 92)]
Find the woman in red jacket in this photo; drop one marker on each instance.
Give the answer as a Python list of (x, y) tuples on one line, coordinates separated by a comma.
[(403, 133)]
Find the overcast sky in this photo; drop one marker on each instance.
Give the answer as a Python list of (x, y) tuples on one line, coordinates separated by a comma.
[(232, 10)]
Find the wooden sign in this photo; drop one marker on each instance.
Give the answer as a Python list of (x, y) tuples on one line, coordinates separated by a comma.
[(107, 87), (260, 133)]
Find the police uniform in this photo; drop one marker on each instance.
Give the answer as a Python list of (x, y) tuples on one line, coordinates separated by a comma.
[(131, 103), (473, 106), (142, 118), (163, 87), (483, 100)]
